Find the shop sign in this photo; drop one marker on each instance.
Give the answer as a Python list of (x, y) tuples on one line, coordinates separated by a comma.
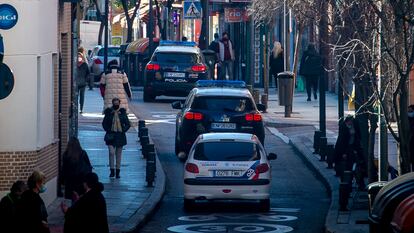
[(235, 15), (220, 1), (247, 1), (8, 16)]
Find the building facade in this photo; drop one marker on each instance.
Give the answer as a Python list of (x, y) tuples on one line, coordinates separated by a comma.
[(33, 129)]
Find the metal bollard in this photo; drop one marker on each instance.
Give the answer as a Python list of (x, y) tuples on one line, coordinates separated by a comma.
[(150, 169), (146, 149), (330, 153), (322, 148), (264, 99), (141, 124), (343, 196), (142, 132), (144, 141), (316, 137)]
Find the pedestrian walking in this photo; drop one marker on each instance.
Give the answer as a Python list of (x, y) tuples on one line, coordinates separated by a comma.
[(82, 78), (116, 124), (348, 150), (411, 122), (32, 211), (276, 60), (227, 57), (88, 213), (76, 165), (215, 46), (8, 207), (115, 84), (311, 69)]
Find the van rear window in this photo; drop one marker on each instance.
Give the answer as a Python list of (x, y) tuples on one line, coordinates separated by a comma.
[(227, 151)]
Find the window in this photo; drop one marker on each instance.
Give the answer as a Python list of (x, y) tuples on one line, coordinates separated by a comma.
[(112, 52), (223, 103), (170, 57), (227, 151)]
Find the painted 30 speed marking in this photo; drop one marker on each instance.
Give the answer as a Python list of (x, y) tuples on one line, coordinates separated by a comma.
[(231, 227)]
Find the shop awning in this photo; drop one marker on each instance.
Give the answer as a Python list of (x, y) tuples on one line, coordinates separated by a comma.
[(140, 45)]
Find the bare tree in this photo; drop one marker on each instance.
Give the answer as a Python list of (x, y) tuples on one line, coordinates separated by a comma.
[(126, 6)]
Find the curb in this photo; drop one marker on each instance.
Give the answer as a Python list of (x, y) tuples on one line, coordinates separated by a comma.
[(323, 174), (148, 207)]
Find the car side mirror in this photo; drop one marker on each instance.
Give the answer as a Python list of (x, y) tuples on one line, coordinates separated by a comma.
[(272, 156), (261, 107), (177, 105)]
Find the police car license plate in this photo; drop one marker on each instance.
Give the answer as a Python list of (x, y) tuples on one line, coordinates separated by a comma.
[(174, 75), (223, 125), (228, 173)]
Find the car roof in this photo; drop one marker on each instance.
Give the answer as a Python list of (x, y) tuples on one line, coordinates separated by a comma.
[(178, 49), (222, 91), (228, 136)]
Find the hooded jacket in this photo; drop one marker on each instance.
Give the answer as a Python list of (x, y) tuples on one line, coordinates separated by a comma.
[(114, 84)]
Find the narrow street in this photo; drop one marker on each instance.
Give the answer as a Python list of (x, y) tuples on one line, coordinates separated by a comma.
[(299, 201)]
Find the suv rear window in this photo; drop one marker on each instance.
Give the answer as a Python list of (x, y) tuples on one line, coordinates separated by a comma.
[(112, 52), (191, 58), (223, 104), (227, 151)]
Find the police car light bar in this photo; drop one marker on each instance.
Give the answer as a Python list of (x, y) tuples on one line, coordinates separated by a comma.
[(177, 43), (220, 83)]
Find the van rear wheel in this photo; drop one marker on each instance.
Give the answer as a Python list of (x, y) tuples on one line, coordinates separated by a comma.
[(188, 204), (265, 205)]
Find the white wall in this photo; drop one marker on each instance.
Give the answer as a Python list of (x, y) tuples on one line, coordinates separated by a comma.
[(26, 119)]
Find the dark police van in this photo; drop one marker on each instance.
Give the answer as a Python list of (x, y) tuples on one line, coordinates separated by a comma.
[(173, 70)]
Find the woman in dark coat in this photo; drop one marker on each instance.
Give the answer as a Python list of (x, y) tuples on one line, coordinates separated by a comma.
[(311, 68), (348, 149), (116, 124), (88, 214), (31, 211), (76, 165), (277, 64)]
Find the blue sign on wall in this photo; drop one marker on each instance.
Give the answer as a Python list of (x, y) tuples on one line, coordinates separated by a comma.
[(8, 16)]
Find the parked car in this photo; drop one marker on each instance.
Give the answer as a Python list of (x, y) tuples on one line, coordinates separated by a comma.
[(97, 57), (173, 70), (227, 166), (216, 106)]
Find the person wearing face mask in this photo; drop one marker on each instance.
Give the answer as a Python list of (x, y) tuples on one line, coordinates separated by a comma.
[(226, 56), (89, 212), (348, 150), (411, 122), (8, 207), (32, 211), (115, 124), (115, 84)]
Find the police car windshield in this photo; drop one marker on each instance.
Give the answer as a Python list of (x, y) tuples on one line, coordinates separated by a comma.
[(223, 103), (112, 52), (170, 57), (227, 151)]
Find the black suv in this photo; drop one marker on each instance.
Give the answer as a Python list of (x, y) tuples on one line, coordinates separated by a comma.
[(216, 106), (173, 70)]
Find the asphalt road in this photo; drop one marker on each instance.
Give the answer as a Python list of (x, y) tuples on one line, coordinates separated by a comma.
[(299, 201)]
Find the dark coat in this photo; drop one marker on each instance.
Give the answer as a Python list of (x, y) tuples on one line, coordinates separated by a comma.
[(277, 65), (342, 146), (88, 214), (82, 75), (8, 213), (119, 138), (73, 173), (311, 64), (31, 212)]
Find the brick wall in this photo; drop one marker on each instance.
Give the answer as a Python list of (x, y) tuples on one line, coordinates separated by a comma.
[(19, 165)]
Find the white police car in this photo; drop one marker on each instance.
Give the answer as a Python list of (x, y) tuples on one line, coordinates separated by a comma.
[(224, 166)]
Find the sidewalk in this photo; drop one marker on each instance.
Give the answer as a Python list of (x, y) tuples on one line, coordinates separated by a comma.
[(129, 201), (298, 130)]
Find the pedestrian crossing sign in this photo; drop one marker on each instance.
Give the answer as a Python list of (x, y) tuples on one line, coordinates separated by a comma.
[(192, 10)]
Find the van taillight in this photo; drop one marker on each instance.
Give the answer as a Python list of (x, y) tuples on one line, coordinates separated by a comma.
[(193, 116), (253, 117), (262, 168), (154, 67)]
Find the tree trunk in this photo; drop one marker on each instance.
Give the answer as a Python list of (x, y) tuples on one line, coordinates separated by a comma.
[(129, 30), (404, 130), (101, 29)]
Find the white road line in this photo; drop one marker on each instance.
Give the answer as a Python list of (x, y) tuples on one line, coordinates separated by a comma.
[(278, 134)]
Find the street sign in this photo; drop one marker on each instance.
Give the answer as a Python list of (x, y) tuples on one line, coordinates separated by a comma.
[(8, 16), (192, 10), (6, 81)]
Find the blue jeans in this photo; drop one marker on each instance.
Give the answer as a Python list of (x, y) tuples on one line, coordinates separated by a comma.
[(226, 66)]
